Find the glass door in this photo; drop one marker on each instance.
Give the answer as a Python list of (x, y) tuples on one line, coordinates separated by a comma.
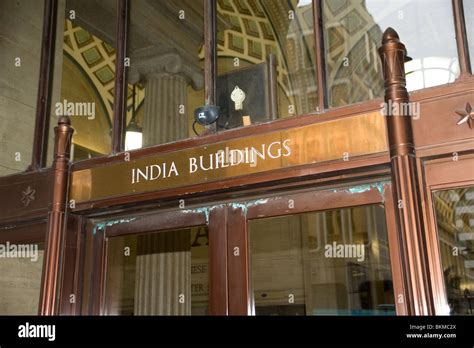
[(454, 211), (158, 273), (331, 252), (449, 183), (159, 263)]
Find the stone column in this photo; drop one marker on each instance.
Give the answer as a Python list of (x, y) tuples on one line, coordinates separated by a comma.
[(166, 79), (163, 270), (163, 274), (163, 122)]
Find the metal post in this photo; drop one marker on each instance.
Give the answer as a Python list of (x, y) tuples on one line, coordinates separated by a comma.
[(50, 284), (406, 192)]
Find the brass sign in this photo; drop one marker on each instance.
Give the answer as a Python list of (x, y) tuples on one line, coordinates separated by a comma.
[(325, 141)]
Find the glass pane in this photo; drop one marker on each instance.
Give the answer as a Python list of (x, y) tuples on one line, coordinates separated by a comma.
[(166, 76), (250, 33), (353, 33), (322, 263), (84, 76), (21, 266), (164, 273), (455, 219), (469, 17), (21, 26)]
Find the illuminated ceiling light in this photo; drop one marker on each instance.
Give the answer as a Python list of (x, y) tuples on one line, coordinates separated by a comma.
[(430, 72), (133, 137), (133, 134)]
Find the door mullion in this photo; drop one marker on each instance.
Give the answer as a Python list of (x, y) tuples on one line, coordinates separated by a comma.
[(218, 281), (237, 253)]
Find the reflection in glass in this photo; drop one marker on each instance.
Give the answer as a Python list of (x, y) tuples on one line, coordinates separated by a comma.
[(163, 273), (469, 18), (21, 25), (353, 33), (165, 76), (322, 263), (251, 35), (21, 267), (84, 76), (455, 219)]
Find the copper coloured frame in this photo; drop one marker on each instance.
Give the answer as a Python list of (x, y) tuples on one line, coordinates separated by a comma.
[(96, 249), (240, 302)]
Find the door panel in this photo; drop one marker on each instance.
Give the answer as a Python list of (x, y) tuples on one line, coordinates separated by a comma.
[(160, 273), (332, 262), (454, 212), (158, 263), (320, 253), (449, 184)]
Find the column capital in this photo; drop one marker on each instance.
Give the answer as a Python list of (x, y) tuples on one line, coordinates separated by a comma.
[(146, 66)]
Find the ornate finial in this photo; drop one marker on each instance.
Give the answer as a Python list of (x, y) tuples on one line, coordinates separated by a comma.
[(390, 35), (62, 144)]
